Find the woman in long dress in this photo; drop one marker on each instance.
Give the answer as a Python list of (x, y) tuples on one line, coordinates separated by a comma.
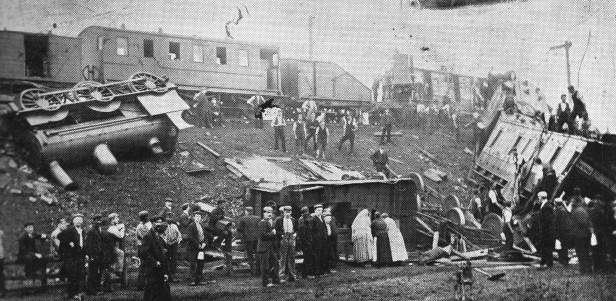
[(361, 235), (396, 241)]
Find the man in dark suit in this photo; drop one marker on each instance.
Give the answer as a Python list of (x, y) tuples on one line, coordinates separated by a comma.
[(72, 252), (95, 250), (154, 257), (266, 248), (332, 242), (286, 230), (304, 242), (31, 250), (546, 230), (197, 238), (319, 241), (247, 228), (562, 229), (582, 231)]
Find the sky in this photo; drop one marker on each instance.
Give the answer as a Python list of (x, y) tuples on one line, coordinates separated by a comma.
[(362, 35)]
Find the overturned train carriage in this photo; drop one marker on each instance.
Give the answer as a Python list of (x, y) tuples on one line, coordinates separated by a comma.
[(516, 140), (396, 197), (94, 122)]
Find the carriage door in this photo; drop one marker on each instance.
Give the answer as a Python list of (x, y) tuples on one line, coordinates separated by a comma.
[(36, 55), (270, 57)]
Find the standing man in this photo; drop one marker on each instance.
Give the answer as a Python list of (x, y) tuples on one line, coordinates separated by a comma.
[(154, 257), (30, 251), (386, 122), (579, 108), (332, 242), (299, 132), (311, 127), (172, 238), (319, 241), (563, 225), (255, 102), (322, 136), (61, 226), (563, 114), (95, 253), (278, 124), (599, 220), (142, 230), (304, 242), (348, 128), (309, 108), (195, 249), (72, 252), (266, 247), (167, 210), (185, 218), (286, 229), (582, 231), (247, 228), (117, 232), (546, 230), (380, 160)]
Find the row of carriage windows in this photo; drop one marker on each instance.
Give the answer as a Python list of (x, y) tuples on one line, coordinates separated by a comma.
[(174, 53)]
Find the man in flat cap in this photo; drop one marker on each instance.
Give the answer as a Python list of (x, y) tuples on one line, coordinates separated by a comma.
[(154, 259), (319, 241), (197, 238), (266, 248), (172, 238), (247, 228), (117, 231), (95, 252), (72, 252), (286, 230)]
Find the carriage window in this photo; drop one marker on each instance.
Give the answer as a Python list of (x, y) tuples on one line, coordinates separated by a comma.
[(221, 55), (197, 53), (148, 48), (242, 57), (496, 138), (174, 51), (515, 145), (122, 46)]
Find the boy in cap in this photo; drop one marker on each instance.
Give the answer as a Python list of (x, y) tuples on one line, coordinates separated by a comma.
[(266, 248)]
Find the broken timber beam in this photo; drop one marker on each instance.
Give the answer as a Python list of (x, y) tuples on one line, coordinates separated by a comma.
[(207, 148)]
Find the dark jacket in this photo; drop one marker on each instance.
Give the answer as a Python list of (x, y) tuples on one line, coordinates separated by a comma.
[(278, 225), (28, 245), (581, 222), (546, 224), (387, 119), (267, 239), (247, 226), (94, 245), (333, 239), (318, 230), (379, 227), (192, 240), (152, 251), (304, 232), (69, 244), (563, 224), (379, 160), (164, 212)]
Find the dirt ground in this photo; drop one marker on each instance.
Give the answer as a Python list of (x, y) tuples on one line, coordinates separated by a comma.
[(392, 283)]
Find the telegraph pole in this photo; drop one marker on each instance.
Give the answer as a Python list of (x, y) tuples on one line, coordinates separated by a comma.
[(566, 45), (310, 36)]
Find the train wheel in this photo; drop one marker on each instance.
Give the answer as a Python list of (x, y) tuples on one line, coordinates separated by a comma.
[(94, 92), (144, 82), (31, 99)]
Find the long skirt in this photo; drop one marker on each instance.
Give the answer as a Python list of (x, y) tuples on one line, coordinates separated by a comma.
[(362, 248), (383, 250)]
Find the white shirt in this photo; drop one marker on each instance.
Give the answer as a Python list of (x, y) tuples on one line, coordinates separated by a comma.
[(545, 201), (80, 232), (117, 230), (329, 230), (492, 196), (507, 215), (287, 225)]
